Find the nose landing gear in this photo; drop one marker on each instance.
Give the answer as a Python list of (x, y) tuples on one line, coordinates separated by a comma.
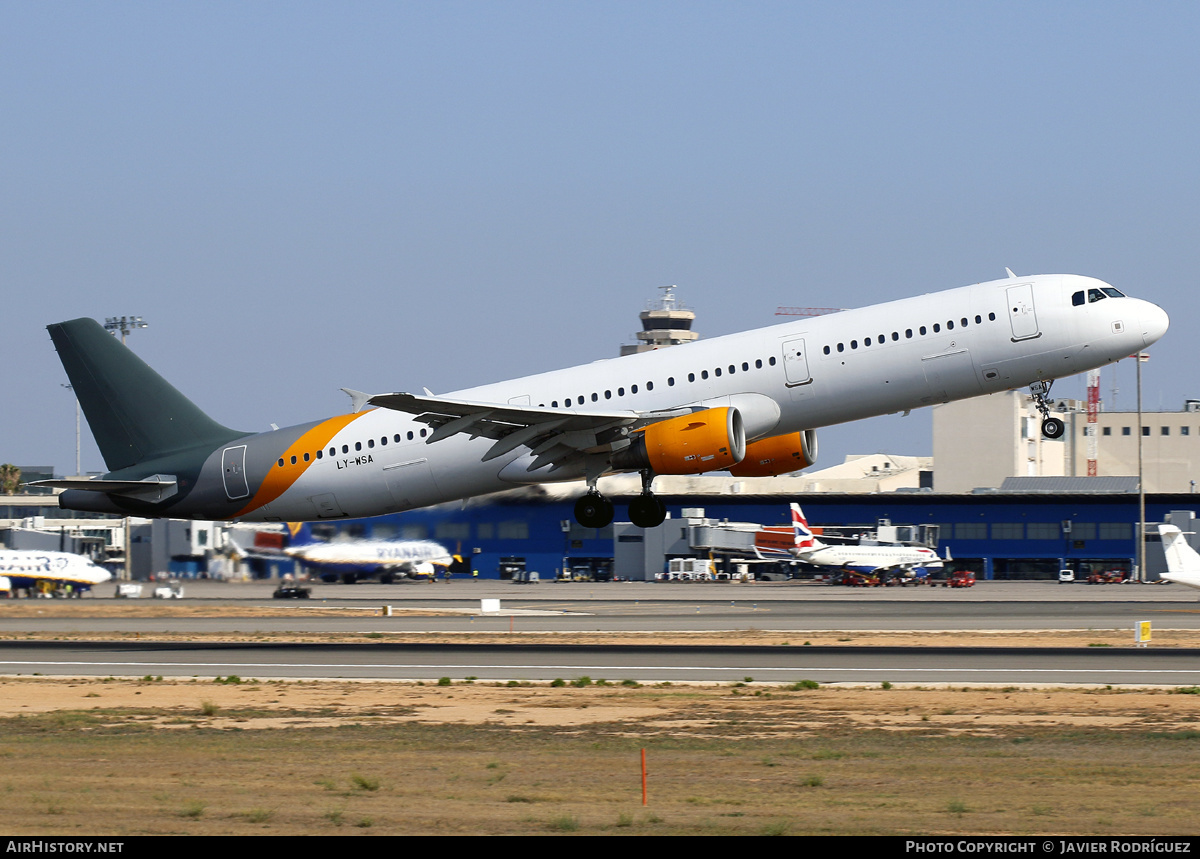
[(1052, 428)]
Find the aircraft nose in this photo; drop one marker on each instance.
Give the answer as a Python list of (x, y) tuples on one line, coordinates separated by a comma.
[(1154, 323)]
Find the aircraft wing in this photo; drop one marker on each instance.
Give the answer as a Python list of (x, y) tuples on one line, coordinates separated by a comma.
[(553, 436)]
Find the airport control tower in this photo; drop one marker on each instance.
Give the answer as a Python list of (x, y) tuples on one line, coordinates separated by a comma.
[(665, 322)]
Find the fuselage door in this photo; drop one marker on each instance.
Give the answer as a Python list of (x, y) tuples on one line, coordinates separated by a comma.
[(1021, 313), (795, 362), (233, 471)]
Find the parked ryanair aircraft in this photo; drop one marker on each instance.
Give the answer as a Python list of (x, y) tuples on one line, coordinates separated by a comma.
[(748, 403), (47, 572), (352, 561)]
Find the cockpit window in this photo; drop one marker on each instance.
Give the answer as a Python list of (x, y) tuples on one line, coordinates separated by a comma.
[(1113, 293), (1077, 298), (1095, 295)]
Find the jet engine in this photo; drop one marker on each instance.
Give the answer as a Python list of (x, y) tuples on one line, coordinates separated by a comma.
[(779, 454), (708, 440)]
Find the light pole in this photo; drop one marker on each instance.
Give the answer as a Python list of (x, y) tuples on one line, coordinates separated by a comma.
[(1141, 534), (125, 324), (78, 469)]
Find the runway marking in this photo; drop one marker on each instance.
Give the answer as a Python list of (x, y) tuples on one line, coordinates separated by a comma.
[(474, 666)]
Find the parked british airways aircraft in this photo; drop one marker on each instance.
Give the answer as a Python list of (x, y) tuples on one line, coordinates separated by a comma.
[(860, 559), (50, 571), (748, 403)]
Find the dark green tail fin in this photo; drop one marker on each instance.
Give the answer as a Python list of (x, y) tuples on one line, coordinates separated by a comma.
[(135, 414)]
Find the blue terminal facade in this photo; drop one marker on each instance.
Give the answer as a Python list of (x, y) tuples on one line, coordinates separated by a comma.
[(996, 535)]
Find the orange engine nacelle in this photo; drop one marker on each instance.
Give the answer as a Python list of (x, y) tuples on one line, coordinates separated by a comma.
[(779, 454), (709, 440)]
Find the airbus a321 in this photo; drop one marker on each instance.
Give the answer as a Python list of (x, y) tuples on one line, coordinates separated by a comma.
[(747, 403)]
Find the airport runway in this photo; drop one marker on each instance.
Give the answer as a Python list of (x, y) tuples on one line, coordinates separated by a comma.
[(634, 607), (643, 607), (646, 664)]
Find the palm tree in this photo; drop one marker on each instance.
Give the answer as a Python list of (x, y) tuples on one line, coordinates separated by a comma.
[(10, 478)]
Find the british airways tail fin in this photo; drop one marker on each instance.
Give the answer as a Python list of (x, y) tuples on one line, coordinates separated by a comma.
[(1183, 563), (802, 533)]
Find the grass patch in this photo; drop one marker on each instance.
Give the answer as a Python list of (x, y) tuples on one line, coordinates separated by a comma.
[(718, 764)]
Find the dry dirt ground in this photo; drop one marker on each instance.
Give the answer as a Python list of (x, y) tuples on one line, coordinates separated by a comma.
[(126, 757), (242, 756)]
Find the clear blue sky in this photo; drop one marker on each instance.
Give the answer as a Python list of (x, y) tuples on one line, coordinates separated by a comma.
[(384, 196)]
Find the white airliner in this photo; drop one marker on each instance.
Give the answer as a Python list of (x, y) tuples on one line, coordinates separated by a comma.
[(354, 560), (49, 571), (860, 559), (1183, 564), (748, 403)]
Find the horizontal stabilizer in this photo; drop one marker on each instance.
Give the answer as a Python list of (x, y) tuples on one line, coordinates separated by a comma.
[(158, 487)]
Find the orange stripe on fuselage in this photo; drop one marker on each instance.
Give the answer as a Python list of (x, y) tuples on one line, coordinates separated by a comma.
[(280, 478)]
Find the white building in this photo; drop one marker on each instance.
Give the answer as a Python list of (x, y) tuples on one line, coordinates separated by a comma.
[(980, 442)]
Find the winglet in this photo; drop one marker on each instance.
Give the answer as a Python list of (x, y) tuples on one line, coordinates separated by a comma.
[(357, 398)]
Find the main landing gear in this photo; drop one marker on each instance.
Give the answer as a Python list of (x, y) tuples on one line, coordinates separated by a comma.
[(1052, 428), (593, 510)]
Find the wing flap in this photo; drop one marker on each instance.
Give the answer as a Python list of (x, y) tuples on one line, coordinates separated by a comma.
[(553, 436)]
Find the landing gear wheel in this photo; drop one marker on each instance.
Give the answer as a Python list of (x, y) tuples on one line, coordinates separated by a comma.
[(1053, 428), (594, 511), (647, 511)]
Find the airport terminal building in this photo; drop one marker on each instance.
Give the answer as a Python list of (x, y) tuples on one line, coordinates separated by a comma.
[(1017, 534)]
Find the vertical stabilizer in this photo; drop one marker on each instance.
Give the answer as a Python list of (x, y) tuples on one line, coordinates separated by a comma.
[(803, 534), (300, 534), (134, 413), (1183, 563)]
